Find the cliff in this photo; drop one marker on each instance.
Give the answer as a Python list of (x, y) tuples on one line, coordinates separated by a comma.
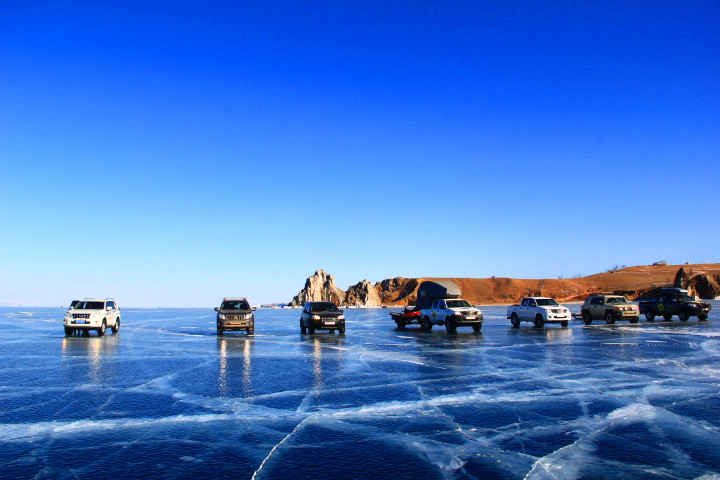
[(702, 280), (363, 293), (319, 287)]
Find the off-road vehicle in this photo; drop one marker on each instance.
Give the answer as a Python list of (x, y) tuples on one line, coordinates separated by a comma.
[(608, 307), (321, 316), (235, 314), (674, 301), (92, 314), (453, 313), (539, 310)]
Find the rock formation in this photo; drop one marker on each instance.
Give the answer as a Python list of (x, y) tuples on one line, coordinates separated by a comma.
[(701, 280), (706, 286), (682, 279), (398, 289), (700, 285), (319, 287), (363, 293)]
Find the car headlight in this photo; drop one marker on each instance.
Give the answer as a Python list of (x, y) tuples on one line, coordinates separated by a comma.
[(316, 317), (341, 317), (221, 316)]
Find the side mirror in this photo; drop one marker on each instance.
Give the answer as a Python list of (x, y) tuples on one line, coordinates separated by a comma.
[(342, 311), (217, 309)]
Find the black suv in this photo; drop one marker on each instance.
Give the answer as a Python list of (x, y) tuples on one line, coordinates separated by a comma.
[(235, 314), (674, 301), (321, 316)]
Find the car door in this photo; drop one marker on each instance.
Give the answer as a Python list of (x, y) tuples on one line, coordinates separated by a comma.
[(112, 313), (304, 315), (434, 310), (524, 309), (532, 309), (596, 308)]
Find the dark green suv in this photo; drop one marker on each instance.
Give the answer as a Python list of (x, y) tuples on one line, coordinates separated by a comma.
[(674, 301), (235, 314)]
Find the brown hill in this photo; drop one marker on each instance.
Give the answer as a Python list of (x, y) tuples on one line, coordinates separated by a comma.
[(630, 281)]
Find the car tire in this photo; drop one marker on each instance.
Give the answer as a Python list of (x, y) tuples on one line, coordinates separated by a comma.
[(587, 318), (303, 328), (609, 318), (341, 330), (667, 317), (515, 320), (477, 328), (564, 324), (634, 319), (702, 317), (219, 329), (400, 324), (69, 331), (427, 325), (450, 326), (103, 327), (115, 328), (649, 315), (539, 321), (311, 329), (683, 315)]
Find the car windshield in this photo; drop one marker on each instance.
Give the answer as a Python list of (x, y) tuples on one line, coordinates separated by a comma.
[(323, 307), (235, 305), (89, 305), (458, 304), (617, 300), (546, 302)]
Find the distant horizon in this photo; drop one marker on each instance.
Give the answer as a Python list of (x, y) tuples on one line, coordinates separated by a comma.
[(280, 303)]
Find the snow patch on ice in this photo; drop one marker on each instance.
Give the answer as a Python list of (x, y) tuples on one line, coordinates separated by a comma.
[(633, 413)]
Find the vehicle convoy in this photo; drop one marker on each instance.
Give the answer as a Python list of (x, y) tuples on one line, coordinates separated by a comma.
[(235, 314), (439, 303), (674, 301), (321, 316), (608, 307), (539, 310), (92, 314)]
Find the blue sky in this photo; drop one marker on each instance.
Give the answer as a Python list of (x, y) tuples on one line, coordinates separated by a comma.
[(172, 153)]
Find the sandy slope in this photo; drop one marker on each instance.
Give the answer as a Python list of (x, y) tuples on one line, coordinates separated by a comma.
[(632, 281)]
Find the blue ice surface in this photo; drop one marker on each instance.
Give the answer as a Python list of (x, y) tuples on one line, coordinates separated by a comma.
[(167, 398)]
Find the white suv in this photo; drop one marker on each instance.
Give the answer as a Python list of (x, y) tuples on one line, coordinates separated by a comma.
[(92, 314)]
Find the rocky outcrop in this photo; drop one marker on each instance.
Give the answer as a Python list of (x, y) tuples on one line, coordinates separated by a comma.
[(682, 279), (363, 293), (398, 289), (700, 280), (706, 286), (319, 287), (701, 285)]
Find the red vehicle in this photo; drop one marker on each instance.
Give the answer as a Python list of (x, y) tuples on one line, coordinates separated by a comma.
[(409, 316)]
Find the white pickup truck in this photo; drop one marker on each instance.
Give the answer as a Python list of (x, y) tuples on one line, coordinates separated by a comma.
[(453, 312), (539, 310)]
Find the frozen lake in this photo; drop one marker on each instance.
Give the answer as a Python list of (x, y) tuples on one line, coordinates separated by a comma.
[(166, 398)]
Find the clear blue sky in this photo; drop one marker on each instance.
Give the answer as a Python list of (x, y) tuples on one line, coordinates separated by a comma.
[(172, 153)]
